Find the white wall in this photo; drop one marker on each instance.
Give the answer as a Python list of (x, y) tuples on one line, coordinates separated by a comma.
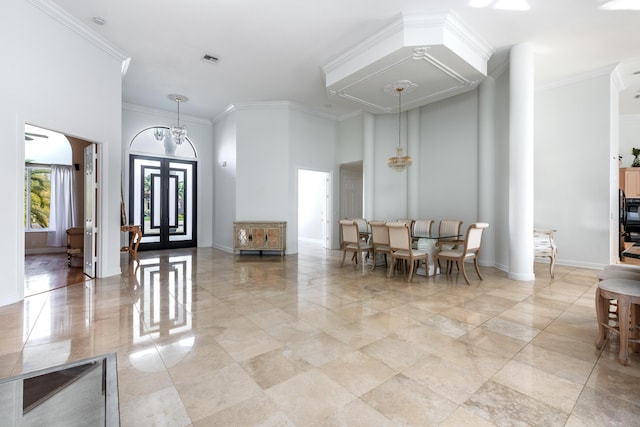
[(224, 185), (77, 92), (136, 119), (449, 159), (263, 179), (389, 187), (571, 169), (350, 137)]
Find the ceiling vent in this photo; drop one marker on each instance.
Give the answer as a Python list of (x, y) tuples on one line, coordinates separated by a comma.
[(209, 58)]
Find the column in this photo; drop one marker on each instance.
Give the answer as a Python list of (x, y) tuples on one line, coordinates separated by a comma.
[(413, 173), (486, 169), (368, 164), (521, 98)]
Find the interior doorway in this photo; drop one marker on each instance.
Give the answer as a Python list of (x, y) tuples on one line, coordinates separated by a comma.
[(54, 203), (314, 197)]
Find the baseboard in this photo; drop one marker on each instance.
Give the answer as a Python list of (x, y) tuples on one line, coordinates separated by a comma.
[(50, 250)]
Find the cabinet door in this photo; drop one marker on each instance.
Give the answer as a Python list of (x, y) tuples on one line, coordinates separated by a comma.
[(272, 240), (632, 183), (242, 237), (257, 238)]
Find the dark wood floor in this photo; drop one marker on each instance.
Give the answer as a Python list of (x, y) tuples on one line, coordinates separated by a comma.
[(44, 272)]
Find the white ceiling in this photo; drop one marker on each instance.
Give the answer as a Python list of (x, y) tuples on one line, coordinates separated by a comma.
[(275, 50)]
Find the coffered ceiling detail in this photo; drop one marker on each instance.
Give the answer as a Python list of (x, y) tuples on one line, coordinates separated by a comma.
[(436, 52)]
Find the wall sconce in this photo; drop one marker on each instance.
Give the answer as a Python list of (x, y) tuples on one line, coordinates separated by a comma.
[(158, 133)]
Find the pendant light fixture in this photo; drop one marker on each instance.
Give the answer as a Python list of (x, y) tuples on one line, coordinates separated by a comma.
[(178, 133), (399, 162)]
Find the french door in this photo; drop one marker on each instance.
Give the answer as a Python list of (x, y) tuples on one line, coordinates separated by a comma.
[(162, 201)]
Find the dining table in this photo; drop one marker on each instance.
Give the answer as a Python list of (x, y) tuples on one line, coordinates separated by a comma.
[(427, 243), (422, 242)]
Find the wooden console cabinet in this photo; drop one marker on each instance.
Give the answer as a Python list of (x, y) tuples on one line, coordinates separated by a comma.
[(630, 181), (260, 236)]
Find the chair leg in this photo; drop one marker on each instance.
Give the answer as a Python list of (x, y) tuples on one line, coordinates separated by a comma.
[(426, 266), (624, 308), (635, 333), (373, 264), (411, 266), (475, 264), (552, 262), (602, 314), (344, 255), (464, 272)]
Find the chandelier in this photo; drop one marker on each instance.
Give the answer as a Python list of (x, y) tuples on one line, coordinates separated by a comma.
[(178, 133), (399, 162)]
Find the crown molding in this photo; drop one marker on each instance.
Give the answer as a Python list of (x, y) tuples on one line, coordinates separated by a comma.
[(78, 27), (350, 115), (598, 72), (164, 114), (618, 80), (274, 105)]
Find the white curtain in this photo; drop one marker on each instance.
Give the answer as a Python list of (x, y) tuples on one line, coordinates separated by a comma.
[(63, 213)]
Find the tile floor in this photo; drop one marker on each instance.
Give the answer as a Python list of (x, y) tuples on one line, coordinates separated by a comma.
[(206, 338)]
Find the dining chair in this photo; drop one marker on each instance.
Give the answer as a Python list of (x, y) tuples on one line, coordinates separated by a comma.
[(351, 241), (422, 227), (407, 221), (363, 228), (400, 245), (450, 229), (379, 241), (469, 250)]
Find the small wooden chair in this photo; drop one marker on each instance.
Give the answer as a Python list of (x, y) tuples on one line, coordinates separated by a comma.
[(626, 323), (75, 246), (545, 247)]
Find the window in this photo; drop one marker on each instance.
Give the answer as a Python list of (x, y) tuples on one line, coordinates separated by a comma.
[(42, 149), (37, 197)]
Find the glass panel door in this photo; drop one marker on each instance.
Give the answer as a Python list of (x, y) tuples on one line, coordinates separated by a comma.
[(162, 201)]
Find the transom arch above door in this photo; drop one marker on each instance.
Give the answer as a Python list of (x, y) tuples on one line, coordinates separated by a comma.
[(157, 141)]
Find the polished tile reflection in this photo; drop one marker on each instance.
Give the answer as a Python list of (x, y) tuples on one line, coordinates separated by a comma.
[(204, 337)]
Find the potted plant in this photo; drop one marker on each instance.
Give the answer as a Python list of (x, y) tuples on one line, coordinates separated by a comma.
[(636, 152)]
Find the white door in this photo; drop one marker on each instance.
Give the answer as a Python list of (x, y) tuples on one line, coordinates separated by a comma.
[(162, 201), (90, 197)]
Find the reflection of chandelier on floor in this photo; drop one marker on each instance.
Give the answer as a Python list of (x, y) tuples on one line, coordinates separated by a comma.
[(178, 133), (399, 162)]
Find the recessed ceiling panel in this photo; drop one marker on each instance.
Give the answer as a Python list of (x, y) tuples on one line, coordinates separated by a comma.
[(445, 64)]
